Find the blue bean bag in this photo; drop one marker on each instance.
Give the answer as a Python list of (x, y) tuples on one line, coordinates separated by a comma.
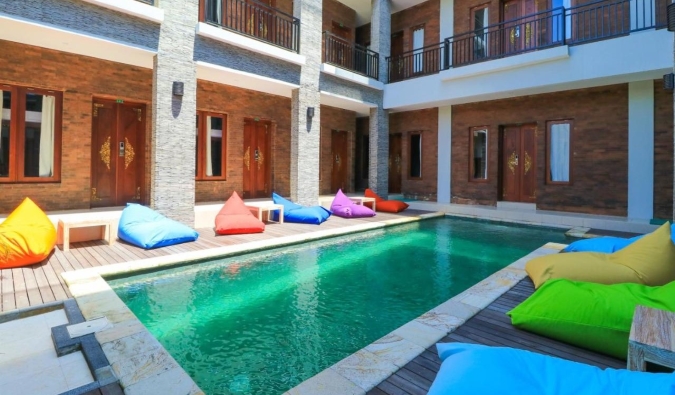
[(146, 228), (476, 369), (606, 244), (303, 215)]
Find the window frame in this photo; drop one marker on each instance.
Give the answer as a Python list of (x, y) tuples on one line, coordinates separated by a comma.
[(419, 50), (569, 122), (472, 16), (201, 147), (487, 154), (17, 134), (410, 135)]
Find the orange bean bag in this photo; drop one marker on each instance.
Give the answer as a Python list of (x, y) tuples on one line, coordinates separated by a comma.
[(27, 236), (387, 206), (235, 218)]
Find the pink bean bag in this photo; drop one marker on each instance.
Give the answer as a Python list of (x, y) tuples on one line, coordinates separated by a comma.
[(343, 207)]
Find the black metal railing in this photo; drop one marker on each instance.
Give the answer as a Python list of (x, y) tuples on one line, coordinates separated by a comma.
[(254, 19), (347, 55), (598, 20), (416, 63)]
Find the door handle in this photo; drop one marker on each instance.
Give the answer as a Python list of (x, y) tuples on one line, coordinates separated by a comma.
[(121, 149)]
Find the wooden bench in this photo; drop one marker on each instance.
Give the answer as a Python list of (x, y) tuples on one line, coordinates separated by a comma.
[(652, 338), (67, 225)]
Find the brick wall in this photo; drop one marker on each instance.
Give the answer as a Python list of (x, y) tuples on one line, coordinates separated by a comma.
[(426, 122), (336, 119), (239, 104), (340, 13), (427, 13), (80, 78), (663, 152), (600, 144)]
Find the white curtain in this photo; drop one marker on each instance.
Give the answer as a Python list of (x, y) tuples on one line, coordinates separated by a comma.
[(560, 152), (47, 136), (209, 165), (418, 44)]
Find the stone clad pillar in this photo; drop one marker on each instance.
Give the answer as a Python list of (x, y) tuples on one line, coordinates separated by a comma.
[(172, 173), (305, 131), (380, 42)]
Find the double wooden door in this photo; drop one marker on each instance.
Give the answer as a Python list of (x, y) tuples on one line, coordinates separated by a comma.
[(395, 159), (117, 153), (256, 159), (519, 166), (519, 34), (339, 143)]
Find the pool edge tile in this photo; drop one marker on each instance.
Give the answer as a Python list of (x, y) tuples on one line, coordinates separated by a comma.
[(327, 382), (364, 369)]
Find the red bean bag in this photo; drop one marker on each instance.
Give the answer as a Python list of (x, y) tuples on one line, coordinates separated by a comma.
[(27, 236), (235, 218), (387, 206)]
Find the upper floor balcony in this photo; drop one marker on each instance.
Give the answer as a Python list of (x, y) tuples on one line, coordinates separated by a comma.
[(342, 53), (581, 24), (253, 19)]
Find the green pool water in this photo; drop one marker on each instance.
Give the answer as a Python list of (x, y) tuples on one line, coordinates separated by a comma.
[(262, 323)]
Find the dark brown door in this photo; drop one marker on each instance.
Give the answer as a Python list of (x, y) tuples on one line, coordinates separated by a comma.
[(397, 64), (261, 19), (341, 46), (118, 151), (340, 164), (256, 159), (519, 34), (395, 163), (518, 168)]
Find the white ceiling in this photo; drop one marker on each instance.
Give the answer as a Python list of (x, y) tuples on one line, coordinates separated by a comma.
[(363, 8)]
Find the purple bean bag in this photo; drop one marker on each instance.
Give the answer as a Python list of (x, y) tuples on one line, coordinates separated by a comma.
[(343, 207)]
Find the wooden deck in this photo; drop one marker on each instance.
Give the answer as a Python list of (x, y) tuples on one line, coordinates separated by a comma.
[(42, 283), (492, 327)]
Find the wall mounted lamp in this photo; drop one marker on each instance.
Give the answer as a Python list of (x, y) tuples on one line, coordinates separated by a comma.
[(310, 112), (177, 88), (669, 81)]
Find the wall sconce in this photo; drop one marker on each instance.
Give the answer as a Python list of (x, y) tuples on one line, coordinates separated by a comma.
[(310, 112), (177, 88), (669, 81), (671, 17)]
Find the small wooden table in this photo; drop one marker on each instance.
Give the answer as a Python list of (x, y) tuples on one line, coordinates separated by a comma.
[(67, 225), (268, 208), (652, 338)]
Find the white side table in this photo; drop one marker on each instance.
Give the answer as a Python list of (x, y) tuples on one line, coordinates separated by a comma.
[(268, 208), (67, 225)]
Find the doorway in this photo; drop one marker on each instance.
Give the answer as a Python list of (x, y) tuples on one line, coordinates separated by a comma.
[(339, 144), (397, 64), (256, 158), (395, 174), (117, 153), (519, 34), (518, 163)]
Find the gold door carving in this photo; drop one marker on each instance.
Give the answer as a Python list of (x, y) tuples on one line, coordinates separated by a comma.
[(513, 162), (104, 153), (128, 153), (247, 158)]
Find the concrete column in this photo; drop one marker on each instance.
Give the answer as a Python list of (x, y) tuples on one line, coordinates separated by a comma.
[(305, 131), (444, 194), (447, 24), (380, 42), (641, 150), (172, 175)]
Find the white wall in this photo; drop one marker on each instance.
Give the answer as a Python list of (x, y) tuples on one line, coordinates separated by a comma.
[(444, 192), (641, 149)]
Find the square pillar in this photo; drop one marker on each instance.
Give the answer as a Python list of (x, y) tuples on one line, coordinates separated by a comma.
[(641, 149), (444, 182)]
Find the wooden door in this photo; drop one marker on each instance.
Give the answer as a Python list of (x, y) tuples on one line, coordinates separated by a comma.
[(339, 160), (261, 19), (397, 64), (519, 34), (395, 174), (118, 151), (256, 159), (342, 47), (518, 168)]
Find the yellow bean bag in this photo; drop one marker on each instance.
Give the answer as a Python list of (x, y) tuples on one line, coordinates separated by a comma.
[(27, 236), (649, 261)]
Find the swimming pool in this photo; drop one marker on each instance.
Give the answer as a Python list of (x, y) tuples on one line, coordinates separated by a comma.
[(262, 323)]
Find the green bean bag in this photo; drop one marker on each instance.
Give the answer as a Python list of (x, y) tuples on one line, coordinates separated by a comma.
[(592, 316)]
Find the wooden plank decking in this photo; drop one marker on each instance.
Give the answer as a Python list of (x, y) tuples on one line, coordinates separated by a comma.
[(492, 327), (42, 283)]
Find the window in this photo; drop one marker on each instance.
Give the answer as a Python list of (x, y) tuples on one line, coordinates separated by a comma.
[(418, 51), (480, 40), (30, 134), (211, 146), (559, 152), (415, 155), (478, 154)]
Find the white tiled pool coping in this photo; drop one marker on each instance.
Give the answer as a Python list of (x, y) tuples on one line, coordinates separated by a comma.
[(365, 369), (139, 361)]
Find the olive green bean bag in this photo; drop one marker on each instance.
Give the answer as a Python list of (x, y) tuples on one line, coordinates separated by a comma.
[(592, 316), (649, 261)]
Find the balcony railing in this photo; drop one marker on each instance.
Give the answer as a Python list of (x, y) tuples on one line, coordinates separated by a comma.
[(344, 54), (254, 19), (598, 20)]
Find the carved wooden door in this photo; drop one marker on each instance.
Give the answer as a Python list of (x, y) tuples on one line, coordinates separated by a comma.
[(256, 159), (339, 160), (396, 71), (395, 163), (118, 151), (519, 181)]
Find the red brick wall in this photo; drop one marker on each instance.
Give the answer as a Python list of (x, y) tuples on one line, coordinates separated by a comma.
[(426, 122), (80, 78), (427, 13), (600, 144), (336, 119), (663, 152), (239, 104)]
